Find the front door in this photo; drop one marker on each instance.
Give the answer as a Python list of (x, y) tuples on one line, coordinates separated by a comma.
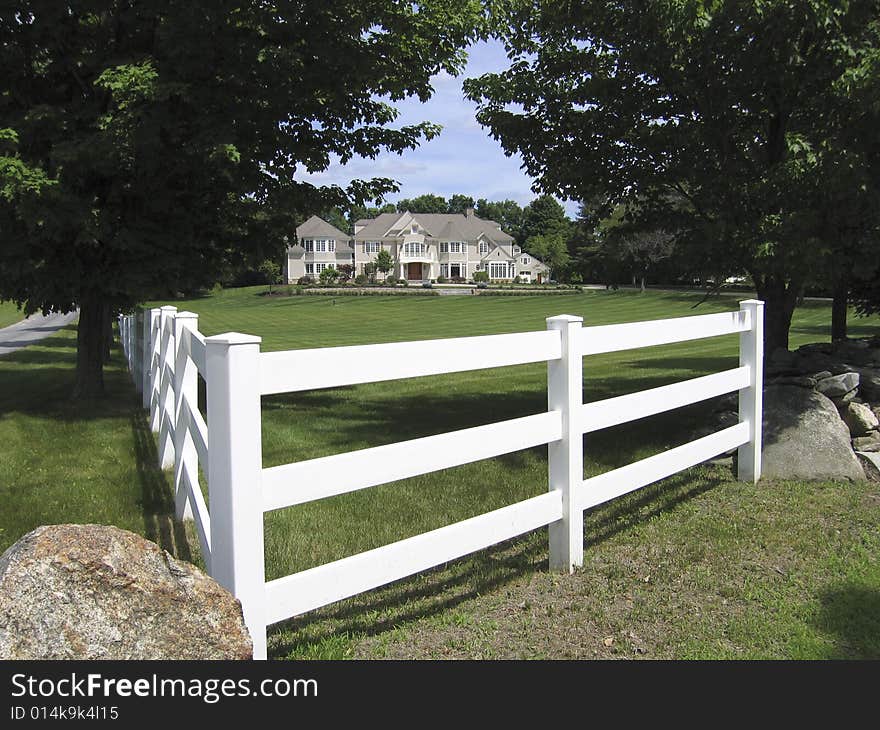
[(414, 271), (455, 270)]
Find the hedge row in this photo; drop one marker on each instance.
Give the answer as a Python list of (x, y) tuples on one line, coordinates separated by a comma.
[(526, 292), (364, 292)]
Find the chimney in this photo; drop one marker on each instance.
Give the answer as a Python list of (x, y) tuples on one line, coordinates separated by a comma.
[(469, 212)]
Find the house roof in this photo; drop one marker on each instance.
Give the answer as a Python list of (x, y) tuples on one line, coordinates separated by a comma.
[(318, 227), (441, 226)]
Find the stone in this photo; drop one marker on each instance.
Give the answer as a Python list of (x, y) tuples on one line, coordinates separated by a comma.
[(802, 381), (869, 384), (99, 592), (868, 442), (860, 419), (805, 438), (838, 386), (782, 358), (843, 402), (821, 375), (823, 347)]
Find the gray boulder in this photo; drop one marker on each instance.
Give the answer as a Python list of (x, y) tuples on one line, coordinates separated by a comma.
[(838, 386), (805, 438), (98, 592), (860, 419), (871, 442)]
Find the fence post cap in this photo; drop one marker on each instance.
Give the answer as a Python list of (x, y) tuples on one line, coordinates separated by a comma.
[(168, 308), (751, 303), (564, 318), (187, 315), (233, 338)]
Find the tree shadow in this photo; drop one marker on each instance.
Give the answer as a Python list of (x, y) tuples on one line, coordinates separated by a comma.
[(851, 613), (157, 495), (440, 589)]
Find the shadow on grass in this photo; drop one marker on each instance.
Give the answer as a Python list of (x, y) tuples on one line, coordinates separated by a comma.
[(851, 613), (435, 591), (157, 496)]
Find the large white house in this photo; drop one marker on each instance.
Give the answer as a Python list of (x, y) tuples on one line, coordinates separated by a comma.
[(423, 246)]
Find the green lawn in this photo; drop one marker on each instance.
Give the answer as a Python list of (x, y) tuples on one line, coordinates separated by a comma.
[(9, 314), (70, 464)]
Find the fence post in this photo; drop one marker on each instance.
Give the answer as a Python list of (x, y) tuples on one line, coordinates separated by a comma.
[(122, 320), (151, 361), (235, 464), (751, 399), (186, 386), (566, 457), (140, 333), (165, 407)]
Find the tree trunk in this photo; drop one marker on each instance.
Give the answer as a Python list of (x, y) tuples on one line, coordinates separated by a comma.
[(108, 332), (643, 285), (779, 304), (838, 308), (90, 337)]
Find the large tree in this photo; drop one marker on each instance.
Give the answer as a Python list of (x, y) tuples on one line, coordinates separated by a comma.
[(428, 203), (506, 213), (714, 119), (542, 217), (144, 144)]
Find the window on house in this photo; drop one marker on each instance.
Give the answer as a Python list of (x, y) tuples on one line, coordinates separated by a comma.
[(310, 268), (414, 249), (320, 267), (308, 245), (444, 247), (516, 250), (484, 247), (331, 245), (371, 247), (455, 247), (524, 260), (498, 270), (444, 270)]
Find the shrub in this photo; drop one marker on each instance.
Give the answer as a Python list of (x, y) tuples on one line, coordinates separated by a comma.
[(360, 279), (441, 279), (517, 280), (305, 280), (458, 280), (391, 279), (329, 275), (481, 277)]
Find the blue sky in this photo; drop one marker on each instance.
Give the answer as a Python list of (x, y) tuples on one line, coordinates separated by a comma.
[(462, 159)]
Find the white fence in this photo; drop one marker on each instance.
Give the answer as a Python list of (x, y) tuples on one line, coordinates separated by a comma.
[(166, 352)]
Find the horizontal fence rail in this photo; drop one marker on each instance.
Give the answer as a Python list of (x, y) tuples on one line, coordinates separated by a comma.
[(295, 370), (331, 475), (166, 354), (325, 584)]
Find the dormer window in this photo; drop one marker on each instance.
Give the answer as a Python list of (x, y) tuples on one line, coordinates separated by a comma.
[(524, 260), (516, 250), (484, 247)]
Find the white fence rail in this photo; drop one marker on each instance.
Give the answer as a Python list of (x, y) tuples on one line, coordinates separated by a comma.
[(166, 353)]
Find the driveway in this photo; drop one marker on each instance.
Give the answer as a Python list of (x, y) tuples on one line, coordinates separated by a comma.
[(33, 329)]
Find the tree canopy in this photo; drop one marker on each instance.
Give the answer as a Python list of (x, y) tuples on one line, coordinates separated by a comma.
[(738, 125), (144, 145)]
